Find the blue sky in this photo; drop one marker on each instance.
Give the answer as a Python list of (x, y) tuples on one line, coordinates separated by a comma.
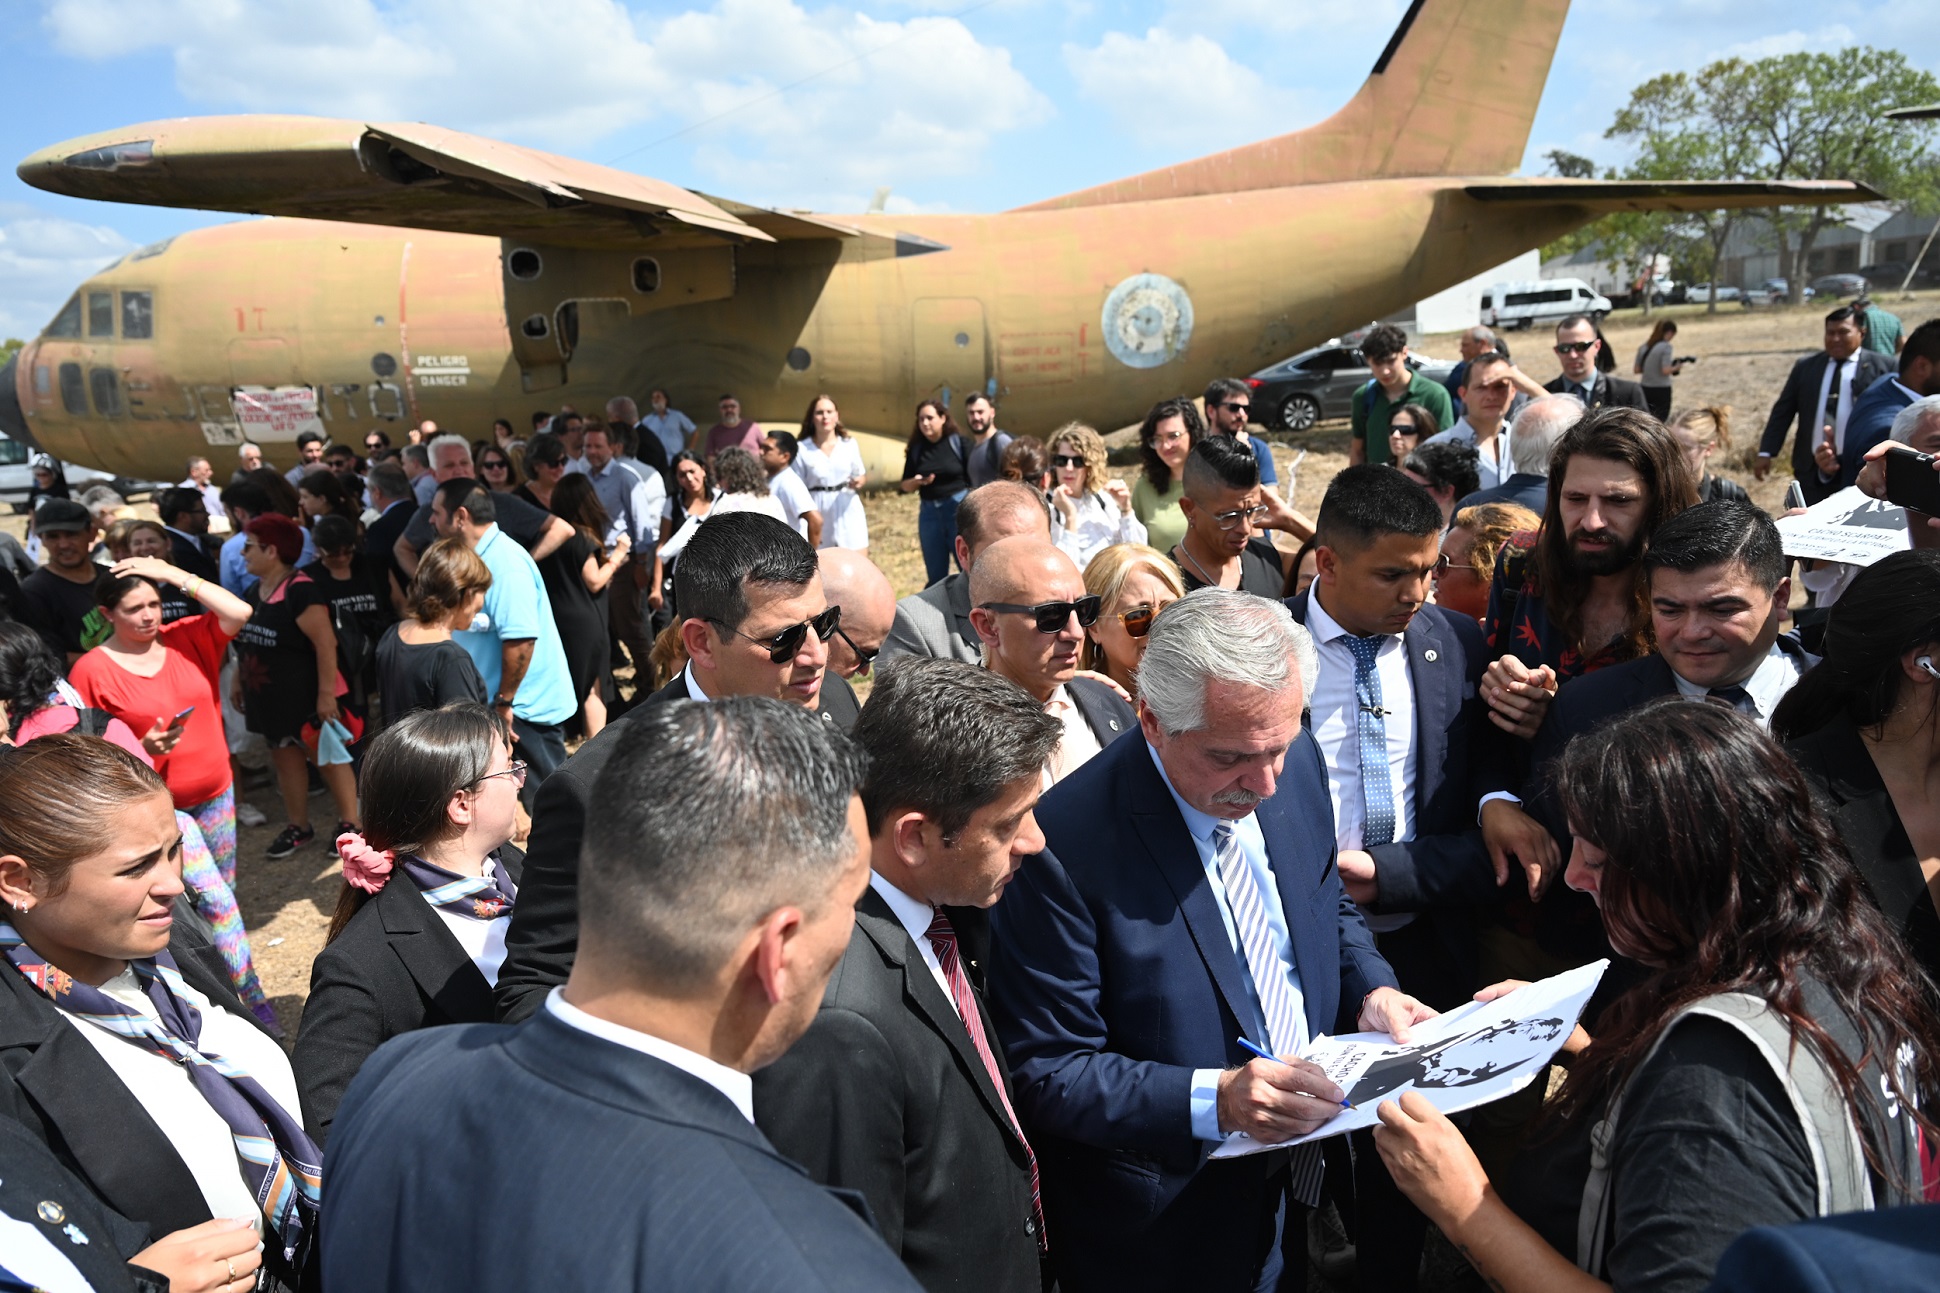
[(959, 105)]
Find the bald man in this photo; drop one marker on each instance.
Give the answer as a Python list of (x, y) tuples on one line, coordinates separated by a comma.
[(868, 601), (936, 621), (1030, 609)]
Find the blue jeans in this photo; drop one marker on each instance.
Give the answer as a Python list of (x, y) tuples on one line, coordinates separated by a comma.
[(936, 531)]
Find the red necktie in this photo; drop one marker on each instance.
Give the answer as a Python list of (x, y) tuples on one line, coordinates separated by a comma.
[(943, 937)]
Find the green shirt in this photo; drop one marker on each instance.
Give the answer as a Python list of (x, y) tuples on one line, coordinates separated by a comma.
[(1372, 408), (1883, 331), (1164, 522)]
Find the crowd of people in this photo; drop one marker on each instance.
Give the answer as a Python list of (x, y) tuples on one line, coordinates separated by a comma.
[(959, 984)]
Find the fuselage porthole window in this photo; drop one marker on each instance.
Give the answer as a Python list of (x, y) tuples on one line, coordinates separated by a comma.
[(74, 391)]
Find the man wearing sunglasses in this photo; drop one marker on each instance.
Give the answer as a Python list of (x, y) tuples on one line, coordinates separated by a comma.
[(936, 621), (1031, 610), (1392, 709), (1578, 343), (755, 622), (868, 601)]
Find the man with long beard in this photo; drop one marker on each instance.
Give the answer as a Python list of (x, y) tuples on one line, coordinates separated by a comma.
[(1570, 599)]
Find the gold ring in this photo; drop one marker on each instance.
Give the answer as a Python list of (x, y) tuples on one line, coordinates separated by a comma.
[(231, 1264)]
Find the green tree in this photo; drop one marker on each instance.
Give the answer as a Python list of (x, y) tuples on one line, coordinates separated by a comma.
[(9, 348)]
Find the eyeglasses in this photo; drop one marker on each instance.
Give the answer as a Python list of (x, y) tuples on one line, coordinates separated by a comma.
[(1251, 515), (1234, 406), (516, 771), (493, 464), (1053, 616), (1066, 460), (1138, 620), (863, 658), (1573, 347), (782, 646), (1170, 437)]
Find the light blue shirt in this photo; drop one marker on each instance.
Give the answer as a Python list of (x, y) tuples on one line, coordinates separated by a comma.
[(516, 609), (1252, 842), (235, 575), (670, 428), (632, 504)]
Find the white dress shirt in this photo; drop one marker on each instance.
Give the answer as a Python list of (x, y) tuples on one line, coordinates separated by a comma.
[(1845, 402), (483, 940), (1774, 677), (737, 1086), (915, 915), (1492, 459), (169, 1096), (796, 502), (1077, 746), (1336, 727)]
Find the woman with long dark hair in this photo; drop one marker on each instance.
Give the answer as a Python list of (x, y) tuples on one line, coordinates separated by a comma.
[(419, 932), (576, 578), (1656, 366), (1165, 441), (936, 467), (830, 463), (321, 493), (1768, 1069), (545, 464), (1864, 724)]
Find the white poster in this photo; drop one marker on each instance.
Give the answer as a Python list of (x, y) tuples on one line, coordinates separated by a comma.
[(276, 414), (1848, 527), (1470, 1056)]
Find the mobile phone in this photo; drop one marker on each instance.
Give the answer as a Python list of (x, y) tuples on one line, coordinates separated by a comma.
[(1911, 481), (180, 718), (1794, 496)]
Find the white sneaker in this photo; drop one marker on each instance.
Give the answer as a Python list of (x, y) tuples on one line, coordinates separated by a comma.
[(250, 815)]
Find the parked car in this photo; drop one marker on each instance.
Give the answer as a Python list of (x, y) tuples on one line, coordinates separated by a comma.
[(1890, 274), (1320, 383), (1700, 293), (1837, 285), (17, 476), (1769, 292), (1524, 305)]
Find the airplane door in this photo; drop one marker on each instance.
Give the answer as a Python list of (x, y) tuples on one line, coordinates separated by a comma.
[(948, 348)]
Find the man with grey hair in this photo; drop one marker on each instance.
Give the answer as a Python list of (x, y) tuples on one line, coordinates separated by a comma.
[(416, 459), (1532, 438), (536, 530), (720, 878), (1187, 897), (897, 1089)]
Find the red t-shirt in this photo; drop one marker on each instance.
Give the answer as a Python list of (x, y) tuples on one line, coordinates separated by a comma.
[(192, 649)]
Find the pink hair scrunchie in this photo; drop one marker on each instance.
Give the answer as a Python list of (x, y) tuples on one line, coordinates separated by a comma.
[(365, 868)]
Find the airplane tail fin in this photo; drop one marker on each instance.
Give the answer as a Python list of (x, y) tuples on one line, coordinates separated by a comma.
[(1454, 93)]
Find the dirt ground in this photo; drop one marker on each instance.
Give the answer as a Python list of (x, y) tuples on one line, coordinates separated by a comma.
[(1744, 358)]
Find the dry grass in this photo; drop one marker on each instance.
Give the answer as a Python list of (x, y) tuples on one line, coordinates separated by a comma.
[(1745, 356)]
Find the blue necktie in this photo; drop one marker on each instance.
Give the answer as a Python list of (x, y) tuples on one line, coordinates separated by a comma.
[(1733, 697), (1377, 785)]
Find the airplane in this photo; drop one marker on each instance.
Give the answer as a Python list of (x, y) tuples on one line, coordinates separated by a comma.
[(409, 272)]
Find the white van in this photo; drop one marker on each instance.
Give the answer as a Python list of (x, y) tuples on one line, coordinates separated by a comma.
[(17, 476), (1549, 300)]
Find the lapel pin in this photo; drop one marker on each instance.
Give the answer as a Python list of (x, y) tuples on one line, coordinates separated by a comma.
[(1429, 655), (73, 1233), (51, 1212)]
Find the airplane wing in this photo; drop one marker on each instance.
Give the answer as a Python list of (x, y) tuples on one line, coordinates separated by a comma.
[(408, 174), (1606, 196)]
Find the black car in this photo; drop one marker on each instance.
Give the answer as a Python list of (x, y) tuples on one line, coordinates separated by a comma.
[(1320, 383)]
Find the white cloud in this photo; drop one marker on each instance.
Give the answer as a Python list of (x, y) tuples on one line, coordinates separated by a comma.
[(1835, 36), (567, 74), (43, 258), (1180, 92)]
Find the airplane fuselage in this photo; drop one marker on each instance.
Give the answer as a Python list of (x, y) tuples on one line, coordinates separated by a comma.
[(1089, 314)]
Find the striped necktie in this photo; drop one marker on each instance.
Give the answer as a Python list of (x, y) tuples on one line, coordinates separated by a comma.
[(279, 1162), (943, 938), (478, 897)]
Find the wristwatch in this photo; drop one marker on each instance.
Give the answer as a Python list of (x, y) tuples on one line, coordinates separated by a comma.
[(504, 701)]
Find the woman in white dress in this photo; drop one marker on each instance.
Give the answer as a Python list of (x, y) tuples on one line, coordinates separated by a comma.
[(831, 464), (1094, 510)]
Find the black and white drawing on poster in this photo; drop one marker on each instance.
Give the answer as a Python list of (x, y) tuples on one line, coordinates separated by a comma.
[(1467, 1057), (1848, 527)]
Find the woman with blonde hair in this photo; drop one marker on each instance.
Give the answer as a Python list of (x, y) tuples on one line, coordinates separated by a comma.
[(1469, 550), (418, 665), (830, 464), (1133, 583), (1700, 433), (1094, 510)]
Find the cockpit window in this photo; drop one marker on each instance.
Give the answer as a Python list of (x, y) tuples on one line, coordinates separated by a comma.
[(137, 316), (101, 314), (68, 322)]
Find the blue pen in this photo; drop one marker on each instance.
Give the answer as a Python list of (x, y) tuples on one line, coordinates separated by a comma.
[(1265, 1055)]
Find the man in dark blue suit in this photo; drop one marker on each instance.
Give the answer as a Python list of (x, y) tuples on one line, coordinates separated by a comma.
[(1819, 395), (1187, 898), (1392, 710), (1872, 417), (608, 1141)]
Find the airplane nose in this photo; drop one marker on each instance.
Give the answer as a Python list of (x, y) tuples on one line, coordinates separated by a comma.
[(13, 422)]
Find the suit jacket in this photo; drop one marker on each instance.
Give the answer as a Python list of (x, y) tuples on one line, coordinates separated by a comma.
[(936, 623), (1798, 403), (544, 934), (57, 1085), (395, 968), (1524, 488), (1605, 390), (1847, 781), (1112, 979), (561, 1160), (186, 554), (1871, 421), (33, 1179), (1108, 714), (1857, 1252), (885, 1094)]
